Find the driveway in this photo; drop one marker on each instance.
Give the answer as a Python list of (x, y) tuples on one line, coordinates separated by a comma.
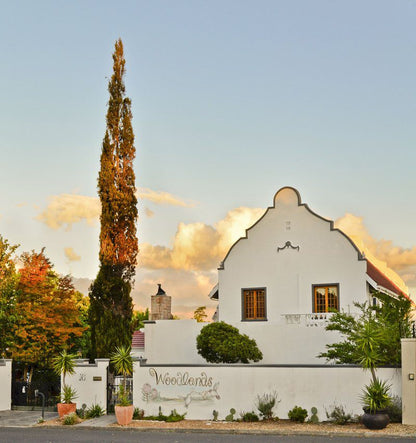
[(23, 418)]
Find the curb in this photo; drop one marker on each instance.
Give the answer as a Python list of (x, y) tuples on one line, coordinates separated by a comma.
[(364, 434)]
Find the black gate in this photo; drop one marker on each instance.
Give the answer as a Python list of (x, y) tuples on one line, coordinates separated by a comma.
[(113, 384), (24, 386)]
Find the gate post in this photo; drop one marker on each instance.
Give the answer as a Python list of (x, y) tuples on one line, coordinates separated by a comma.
[(409, 381), (5, 384), (90, 382)]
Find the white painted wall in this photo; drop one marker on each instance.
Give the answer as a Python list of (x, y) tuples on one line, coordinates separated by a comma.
[(5, 384), (172, 342), (199, 390), (90, 391), (325, 256), (409, 380)]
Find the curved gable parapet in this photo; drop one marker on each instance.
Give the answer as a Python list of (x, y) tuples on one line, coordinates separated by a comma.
[(290, 197)]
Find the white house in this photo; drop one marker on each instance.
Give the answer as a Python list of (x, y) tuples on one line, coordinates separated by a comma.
[(278, 285)]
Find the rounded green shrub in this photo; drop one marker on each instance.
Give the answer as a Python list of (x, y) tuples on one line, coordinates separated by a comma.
[(220, 342)]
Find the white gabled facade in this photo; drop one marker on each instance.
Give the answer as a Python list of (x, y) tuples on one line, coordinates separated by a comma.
[(287, 251), (302, 266)]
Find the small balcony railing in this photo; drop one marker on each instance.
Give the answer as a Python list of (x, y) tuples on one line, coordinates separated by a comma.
[(314, 319)]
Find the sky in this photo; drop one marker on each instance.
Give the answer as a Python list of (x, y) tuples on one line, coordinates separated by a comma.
[(231, 101)]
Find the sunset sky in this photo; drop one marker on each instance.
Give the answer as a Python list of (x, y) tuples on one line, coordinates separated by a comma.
[(232, 100)]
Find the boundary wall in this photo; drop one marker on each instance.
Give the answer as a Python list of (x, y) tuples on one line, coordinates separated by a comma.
[(5, 384), (90, 382), (409, 381), (200, 389)]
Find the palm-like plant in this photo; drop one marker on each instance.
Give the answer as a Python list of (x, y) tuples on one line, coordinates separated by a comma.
[(376, 396), (64, 364), (123, 364)]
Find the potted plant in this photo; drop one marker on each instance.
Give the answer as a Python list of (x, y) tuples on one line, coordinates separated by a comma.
[(376, 400), (375, 396), (123, 364), (64, 364)]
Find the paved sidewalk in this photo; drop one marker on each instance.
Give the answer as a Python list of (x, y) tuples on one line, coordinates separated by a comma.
[(99, 422), (23, 418)]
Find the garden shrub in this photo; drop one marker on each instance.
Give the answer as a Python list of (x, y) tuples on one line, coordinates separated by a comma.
[(138, 414), (338, 415), (265, 404), (94, 411), (298, 414), (249, 416), (395, 410), (70, 419), (220, 342)]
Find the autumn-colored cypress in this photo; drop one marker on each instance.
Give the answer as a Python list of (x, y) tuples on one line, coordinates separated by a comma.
[(111, 306)]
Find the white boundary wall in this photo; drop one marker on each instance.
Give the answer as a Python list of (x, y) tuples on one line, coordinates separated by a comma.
[(409, 380), (90, 382), (198, 390), (5, 384)]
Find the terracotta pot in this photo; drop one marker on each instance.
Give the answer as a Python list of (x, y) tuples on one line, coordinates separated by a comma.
[(66, 408), (377, 420), (124, 414)]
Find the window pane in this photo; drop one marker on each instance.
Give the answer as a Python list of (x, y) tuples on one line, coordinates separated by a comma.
[(326, 298), (320, 300), (260, 304), (254, 304)]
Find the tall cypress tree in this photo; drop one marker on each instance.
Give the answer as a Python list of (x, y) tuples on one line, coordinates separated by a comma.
[(111, 306)]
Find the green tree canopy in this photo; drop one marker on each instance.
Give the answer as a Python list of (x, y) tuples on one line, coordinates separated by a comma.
[(9, 278), (220, 342), (373, 338), (111, 306), (200, 314)]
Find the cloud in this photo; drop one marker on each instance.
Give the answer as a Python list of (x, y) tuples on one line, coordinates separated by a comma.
[(71, 255), (198, 246), (21, 205), (66, 209), (401, 260), (149, 213), (163, 198)]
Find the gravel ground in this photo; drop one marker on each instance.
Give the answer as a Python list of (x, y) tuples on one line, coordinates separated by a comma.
[(278, 427)]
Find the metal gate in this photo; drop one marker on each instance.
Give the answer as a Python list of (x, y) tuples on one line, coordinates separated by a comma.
[(113, 385), (23, 388)]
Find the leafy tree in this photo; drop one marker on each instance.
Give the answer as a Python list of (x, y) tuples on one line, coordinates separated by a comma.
[(48, 313), (200, 315), (9, 279), (139, 317), (220, 342), (111, 306), (373, 338)]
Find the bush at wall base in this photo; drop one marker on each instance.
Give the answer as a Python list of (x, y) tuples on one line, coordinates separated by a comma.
[(124, 414)]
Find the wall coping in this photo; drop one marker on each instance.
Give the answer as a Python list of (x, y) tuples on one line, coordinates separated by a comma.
[(84, 363), (251, 366)]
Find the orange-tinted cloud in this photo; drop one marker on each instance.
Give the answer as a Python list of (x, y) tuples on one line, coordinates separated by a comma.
[(163, 198), (401, 260), (198, 246), (149, 213), (71, 255), (67, 209)]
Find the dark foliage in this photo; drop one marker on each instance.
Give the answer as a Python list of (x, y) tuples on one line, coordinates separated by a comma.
[(222, 343)]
